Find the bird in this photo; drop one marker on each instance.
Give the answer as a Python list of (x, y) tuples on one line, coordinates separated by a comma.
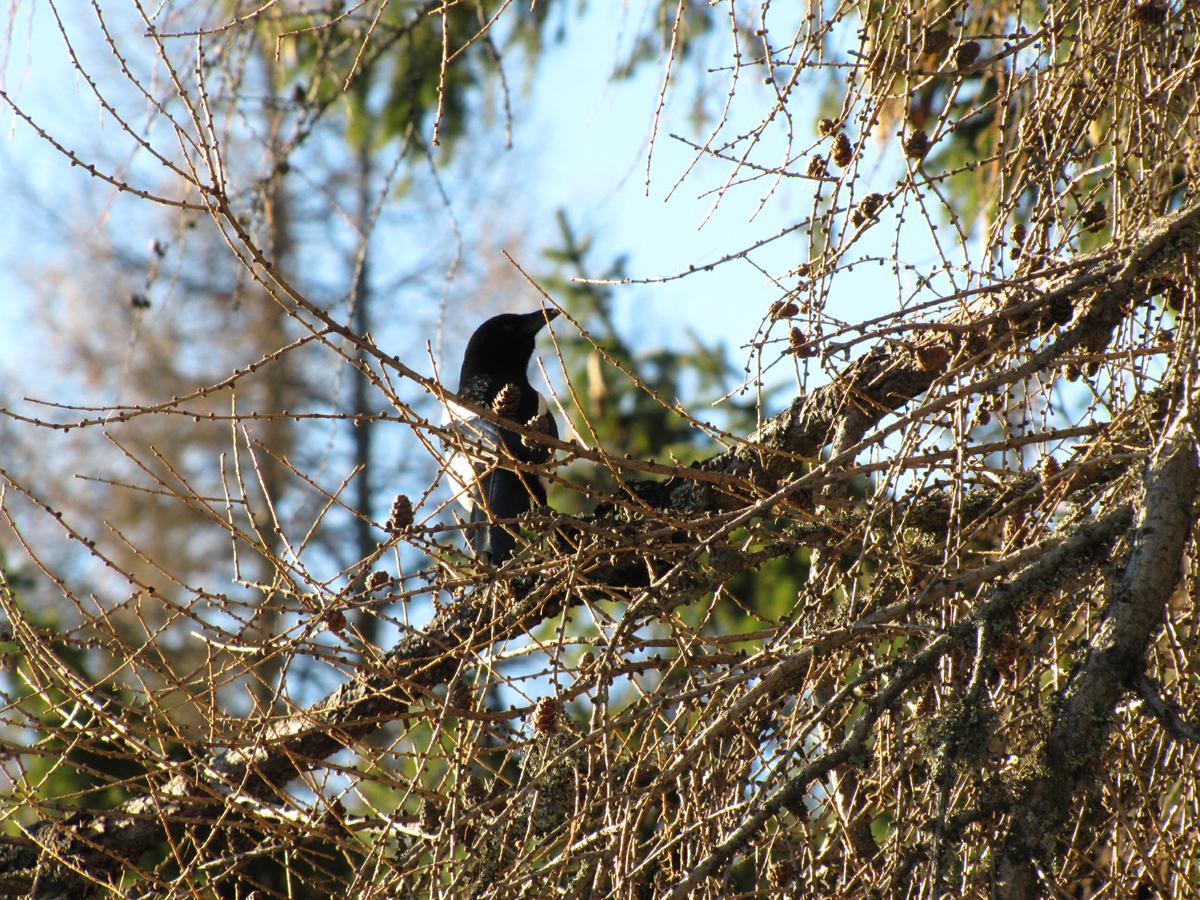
[(495, 374)]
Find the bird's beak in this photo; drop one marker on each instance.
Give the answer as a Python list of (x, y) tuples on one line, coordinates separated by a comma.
[(536, 321)]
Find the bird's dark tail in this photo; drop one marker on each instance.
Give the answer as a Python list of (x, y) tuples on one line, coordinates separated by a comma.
[(504, 496)]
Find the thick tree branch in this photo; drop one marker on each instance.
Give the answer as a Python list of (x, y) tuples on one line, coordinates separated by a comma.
[(1169, 715), (1116, 654)]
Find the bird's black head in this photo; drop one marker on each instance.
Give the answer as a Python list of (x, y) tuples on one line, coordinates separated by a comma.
[(500, 348)]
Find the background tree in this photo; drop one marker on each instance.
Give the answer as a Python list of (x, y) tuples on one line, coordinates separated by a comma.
[(893, 594)]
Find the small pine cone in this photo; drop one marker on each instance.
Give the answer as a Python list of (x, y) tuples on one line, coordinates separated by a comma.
[(1095, 217), (1176, 298), (1061, 310), (992, 407), (932, 357), (587, 662), (334, 619), (826, 127), (543, 424), (474, 792), (802, 270), (936, 41), (783, 309), (431, 817), (1018, 235), (1008, 653), (401, 516), (1039, 263), (458, 696), (1048, 468), (916, 145), (843, 153), (878, 62), (858, 218), (377, 581), (781, 874), (871, 204), (507, 401), (966, 54), (979, 418), (798, 344), (546, 716), (817, 168), (1015, 530), (1151, 12), (332, 818), (1071, 372)]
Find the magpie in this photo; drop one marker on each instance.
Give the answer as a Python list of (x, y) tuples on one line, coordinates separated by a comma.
[(495, 374)]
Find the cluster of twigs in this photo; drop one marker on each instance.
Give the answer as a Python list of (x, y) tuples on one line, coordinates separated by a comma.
[(981, 503)]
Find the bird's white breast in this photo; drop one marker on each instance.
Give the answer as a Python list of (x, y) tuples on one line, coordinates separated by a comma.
[(464, 463), (460, 466)]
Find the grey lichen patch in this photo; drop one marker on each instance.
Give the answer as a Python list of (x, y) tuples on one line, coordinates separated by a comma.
[(690, 497), (964, 734)]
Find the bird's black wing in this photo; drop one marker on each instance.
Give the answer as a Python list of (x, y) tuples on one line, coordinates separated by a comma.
[(484, 488)]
